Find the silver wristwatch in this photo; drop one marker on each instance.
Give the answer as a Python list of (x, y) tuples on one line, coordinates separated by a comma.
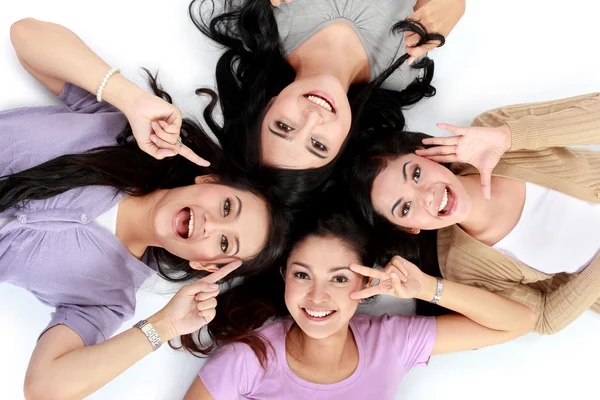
[(148, 330), (438, 291)]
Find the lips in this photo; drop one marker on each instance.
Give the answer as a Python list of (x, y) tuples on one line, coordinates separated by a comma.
[(322, 100), (447, 205), (184, 223), (318, 315)]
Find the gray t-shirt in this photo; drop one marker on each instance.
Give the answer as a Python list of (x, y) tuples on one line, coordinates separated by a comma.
[(371, 19), (53, 248)]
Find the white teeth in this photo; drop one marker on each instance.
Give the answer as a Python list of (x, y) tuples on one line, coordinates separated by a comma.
[(320, 102), (191, 224), (444, 200), (318, 314)]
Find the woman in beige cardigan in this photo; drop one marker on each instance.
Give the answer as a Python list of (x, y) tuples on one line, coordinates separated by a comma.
[(517, 212)]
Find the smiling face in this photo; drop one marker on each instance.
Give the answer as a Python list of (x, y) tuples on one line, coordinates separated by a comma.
[(211, 223), (306, 124), (414, 192), (318, 284)]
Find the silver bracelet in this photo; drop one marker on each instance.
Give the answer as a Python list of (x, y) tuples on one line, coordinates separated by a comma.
[(103, 83), (438, 291), (148, 330)]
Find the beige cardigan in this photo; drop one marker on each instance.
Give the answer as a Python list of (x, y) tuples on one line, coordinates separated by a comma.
[(539, 132)]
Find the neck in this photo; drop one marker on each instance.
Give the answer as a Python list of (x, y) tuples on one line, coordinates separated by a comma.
[(135, 222), (339, 54), (477, 221), (322, 353)]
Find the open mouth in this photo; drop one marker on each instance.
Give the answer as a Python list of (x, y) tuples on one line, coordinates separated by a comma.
[(447, 204), (184, 223), (318, 315), (321, 100)]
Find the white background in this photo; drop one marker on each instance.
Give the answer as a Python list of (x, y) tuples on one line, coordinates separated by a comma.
[(502, 52)]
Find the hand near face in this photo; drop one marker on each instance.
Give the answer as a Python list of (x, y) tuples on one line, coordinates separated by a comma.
[(156, 126), (400, 278), (194, 305), (438, 16), (479, 146)]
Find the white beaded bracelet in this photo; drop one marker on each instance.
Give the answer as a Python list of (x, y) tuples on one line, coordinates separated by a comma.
[(103, 83)]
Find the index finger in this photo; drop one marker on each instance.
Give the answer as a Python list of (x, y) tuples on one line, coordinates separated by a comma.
[(222, 272), (186, 152), (366, 271)]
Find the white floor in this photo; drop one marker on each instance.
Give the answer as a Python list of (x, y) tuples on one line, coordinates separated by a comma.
[(502, 52)]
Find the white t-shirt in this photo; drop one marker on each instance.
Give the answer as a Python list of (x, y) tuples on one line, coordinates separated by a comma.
[(556, 232)]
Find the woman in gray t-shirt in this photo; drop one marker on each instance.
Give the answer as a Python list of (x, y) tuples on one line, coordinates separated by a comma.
[(295, 80)]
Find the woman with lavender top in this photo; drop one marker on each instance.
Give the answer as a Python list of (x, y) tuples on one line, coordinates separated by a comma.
[(86, 216)]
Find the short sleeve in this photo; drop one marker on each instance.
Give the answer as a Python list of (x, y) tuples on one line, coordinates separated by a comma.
[(413, 337), (94, 324), (229, 370), (78, 100)]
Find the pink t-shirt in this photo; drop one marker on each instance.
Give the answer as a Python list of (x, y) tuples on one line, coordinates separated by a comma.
[(388, 347)]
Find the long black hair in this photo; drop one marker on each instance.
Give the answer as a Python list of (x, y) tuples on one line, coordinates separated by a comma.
[(128, 169), (253, 70), (248, 305)]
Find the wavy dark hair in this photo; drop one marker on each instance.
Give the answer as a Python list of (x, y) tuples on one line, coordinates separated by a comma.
[(128, 169), (258, 299), (361, 171), (253, 70)]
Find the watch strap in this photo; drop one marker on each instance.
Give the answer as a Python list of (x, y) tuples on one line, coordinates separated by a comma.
[(151, 334)]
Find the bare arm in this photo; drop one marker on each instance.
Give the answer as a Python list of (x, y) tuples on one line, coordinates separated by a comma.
[(483, 318), (198, 391), (54, 55), (62, 368)]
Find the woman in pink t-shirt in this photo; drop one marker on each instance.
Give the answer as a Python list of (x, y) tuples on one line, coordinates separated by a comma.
[(325, 351)]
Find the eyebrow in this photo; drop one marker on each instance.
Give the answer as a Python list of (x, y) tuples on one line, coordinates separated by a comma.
[(404, 174), (239, 208), (237, 214), (284, 137), (334, 269)]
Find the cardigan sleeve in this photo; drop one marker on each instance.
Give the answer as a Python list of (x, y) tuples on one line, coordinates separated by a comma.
[(559, 123), (555, 309)]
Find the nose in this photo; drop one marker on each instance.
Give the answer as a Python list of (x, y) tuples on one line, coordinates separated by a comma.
[(427, 197), (208, 225), (312, 118), (318, 294)]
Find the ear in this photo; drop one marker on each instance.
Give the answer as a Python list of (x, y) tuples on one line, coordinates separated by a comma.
[(203, 266), (282, 273), (210, 178)]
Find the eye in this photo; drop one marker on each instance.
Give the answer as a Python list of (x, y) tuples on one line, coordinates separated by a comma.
[(318, 145), (224, 244), (284, 127), (301, 275), (340, 279), (406, 208), (227, 207), (416, 174)]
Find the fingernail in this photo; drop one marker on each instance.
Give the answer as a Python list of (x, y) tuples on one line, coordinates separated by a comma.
[(213, 286), (153, 138), (394, 275)]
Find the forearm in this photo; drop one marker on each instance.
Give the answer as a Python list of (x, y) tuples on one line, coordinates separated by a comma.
[(81, 372), (485, 308), (565, 122), (565, 304), (54, 51)]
